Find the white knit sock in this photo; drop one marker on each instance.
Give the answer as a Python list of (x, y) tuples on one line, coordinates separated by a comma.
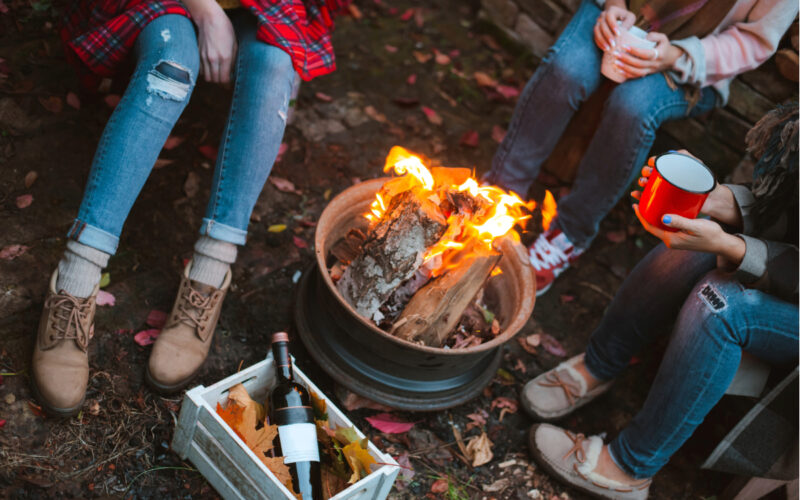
[(212, 260), (79, 269)]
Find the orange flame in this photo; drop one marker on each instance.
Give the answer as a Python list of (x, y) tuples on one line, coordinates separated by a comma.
[(496, 215)]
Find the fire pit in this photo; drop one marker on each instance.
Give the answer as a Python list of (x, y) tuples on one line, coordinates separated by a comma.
[(380, 366)]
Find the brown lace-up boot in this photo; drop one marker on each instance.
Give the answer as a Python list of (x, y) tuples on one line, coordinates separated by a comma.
[(60, 359), (183, 344)]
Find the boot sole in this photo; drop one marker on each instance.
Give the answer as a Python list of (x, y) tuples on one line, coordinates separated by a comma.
[(168, 389), (52, 410), (552, 472)]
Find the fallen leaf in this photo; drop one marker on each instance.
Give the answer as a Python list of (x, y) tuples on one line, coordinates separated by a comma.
[(408, 14), (112, 100), (354, 11), (173, 142), (208, 151), (282, 149), (30, 178), (441, 58), (276, 228), (352, 401), (419, 18), (53, 104), (525, 346), (375, 114), (498, 134), (534, 339), (73, 101), (284, 185), (480, 450), (93, 407), (484, 80), (359, 459), (163, 162), (422, 57), (477, 419), (280, 469), (323, 97), (412, 79), (616, 236), (36, 409), (470, 139), (156, 319), (566, 299), (499, 486), (553, 346), (11, 252), (146, 337), (507, 91), (495, 326), (390, 424), (191, 185), (105, 280), (440, 486), (390, 48), (105, 299), (2, 422), (299, 242), (432, 115), (24, 200), (503, 402), (406, 473)]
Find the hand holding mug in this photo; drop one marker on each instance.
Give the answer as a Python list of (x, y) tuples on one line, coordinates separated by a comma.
[(636, 62), (609, 25)]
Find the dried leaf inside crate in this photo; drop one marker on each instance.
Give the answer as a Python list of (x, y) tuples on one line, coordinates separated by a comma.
[(359, 460), (319, 406), (332, 483)]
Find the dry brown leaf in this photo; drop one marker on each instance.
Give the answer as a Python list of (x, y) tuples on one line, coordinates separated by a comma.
[(30, 178), (192, 184), (280, 469), (422, 57), (375, 114), (480, 450), (484, 80)]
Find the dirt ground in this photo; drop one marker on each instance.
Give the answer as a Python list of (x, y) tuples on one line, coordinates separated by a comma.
[(344, 125)]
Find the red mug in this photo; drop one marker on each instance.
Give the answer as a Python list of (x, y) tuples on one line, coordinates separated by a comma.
[(678, 185)]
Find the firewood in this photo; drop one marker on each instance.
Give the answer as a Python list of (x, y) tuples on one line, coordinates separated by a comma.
[(436, 308), (392, 252)]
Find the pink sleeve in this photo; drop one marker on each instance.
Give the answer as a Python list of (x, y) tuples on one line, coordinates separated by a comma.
[(746, 45)]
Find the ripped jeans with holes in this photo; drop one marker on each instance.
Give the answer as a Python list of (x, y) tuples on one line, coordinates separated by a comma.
[(167, 64), (717, 319)]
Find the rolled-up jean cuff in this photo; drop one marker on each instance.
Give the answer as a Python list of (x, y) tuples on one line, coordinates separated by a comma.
[(596, 367), (617, 456), (222, 232), (93, 237)]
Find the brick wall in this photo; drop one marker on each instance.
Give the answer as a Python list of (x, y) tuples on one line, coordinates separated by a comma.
[(718, 137)]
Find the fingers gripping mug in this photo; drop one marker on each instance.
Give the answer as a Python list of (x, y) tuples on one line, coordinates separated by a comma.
[(634, 37), (678, 185)]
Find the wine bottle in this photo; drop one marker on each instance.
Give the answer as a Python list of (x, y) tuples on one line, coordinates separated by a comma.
[(290, 410)]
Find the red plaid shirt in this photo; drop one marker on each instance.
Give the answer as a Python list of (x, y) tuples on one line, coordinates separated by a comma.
[(100, 33)]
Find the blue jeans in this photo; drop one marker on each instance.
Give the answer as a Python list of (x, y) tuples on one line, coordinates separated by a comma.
[(167, 62), (717, 319), (568, 75)]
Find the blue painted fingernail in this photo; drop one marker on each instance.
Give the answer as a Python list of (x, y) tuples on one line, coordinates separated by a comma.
[(666, 219), (672, 151)]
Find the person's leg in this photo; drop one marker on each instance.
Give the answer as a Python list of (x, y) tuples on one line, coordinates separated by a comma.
[(619, 147), (132, 139), (644, 306), (567, 76), (718, 321), (262, 87)]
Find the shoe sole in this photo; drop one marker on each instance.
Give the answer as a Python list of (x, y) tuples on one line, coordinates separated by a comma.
[(52, 410), (542, 291), (553, 472), (167, 390)]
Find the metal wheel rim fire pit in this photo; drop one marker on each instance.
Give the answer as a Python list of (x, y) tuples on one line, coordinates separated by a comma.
[(384, 368)]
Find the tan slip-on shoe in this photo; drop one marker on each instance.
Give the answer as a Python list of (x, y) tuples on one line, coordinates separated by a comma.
[(183, 344), (571, 458), (558, 392), (60, 366)]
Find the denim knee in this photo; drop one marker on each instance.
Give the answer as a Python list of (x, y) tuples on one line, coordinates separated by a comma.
[(711, 307), (631, 105), (266, 61), (170, 57), (572, 71)]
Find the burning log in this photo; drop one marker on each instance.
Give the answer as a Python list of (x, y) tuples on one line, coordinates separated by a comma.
[(435, 310), (392, 252)]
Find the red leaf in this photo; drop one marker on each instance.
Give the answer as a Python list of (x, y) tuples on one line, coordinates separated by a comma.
[(209, 151), (299, 242), (24, 200), (156, 319), (3, 8), (173, 142), (388, 423), (11, 252), (105, 299), (284, 185), (390, 48), (432, 115), (565, 299), (73, 100), (498, 134), (112, 100), (441, 58), (440, 486), (323, 97), (2, 423), (507, 91), (503, 402), (36, 409), (616, 236), (553, 346), (470, 138), (412, 79), (419, 18), (408, 14), (146, 337), (282, 149)]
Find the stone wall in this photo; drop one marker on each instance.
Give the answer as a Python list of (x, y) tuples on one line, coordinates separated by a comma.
[(718, 137)]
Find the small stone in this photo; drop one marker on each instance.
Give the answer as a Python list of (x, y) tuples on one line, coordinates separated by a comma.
[(534, 494)]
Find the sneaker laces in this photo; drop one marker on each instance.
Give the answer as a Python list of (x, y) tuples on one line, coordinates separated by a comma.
[(71, 314), (553, 379), (544, 254)]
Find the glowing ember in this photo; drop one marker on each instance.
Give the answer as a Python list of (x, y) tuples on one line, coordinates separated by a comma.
[(482, 215)]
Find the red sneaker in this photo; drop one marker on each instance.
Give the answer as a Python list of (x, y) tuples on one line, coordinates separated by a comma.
[(550, 255)]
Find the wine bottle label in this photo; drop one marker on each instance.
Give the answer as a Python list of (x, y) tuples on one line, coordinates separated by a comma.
[(299, 443)]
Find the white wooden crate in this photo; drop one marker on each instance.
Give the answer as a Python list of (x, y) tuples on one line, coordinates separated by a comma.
[(231, 467)]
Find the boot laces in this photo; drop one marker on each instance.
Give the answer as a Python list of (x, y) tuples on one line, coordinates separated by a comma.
[(71, 314), (192, 311)]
